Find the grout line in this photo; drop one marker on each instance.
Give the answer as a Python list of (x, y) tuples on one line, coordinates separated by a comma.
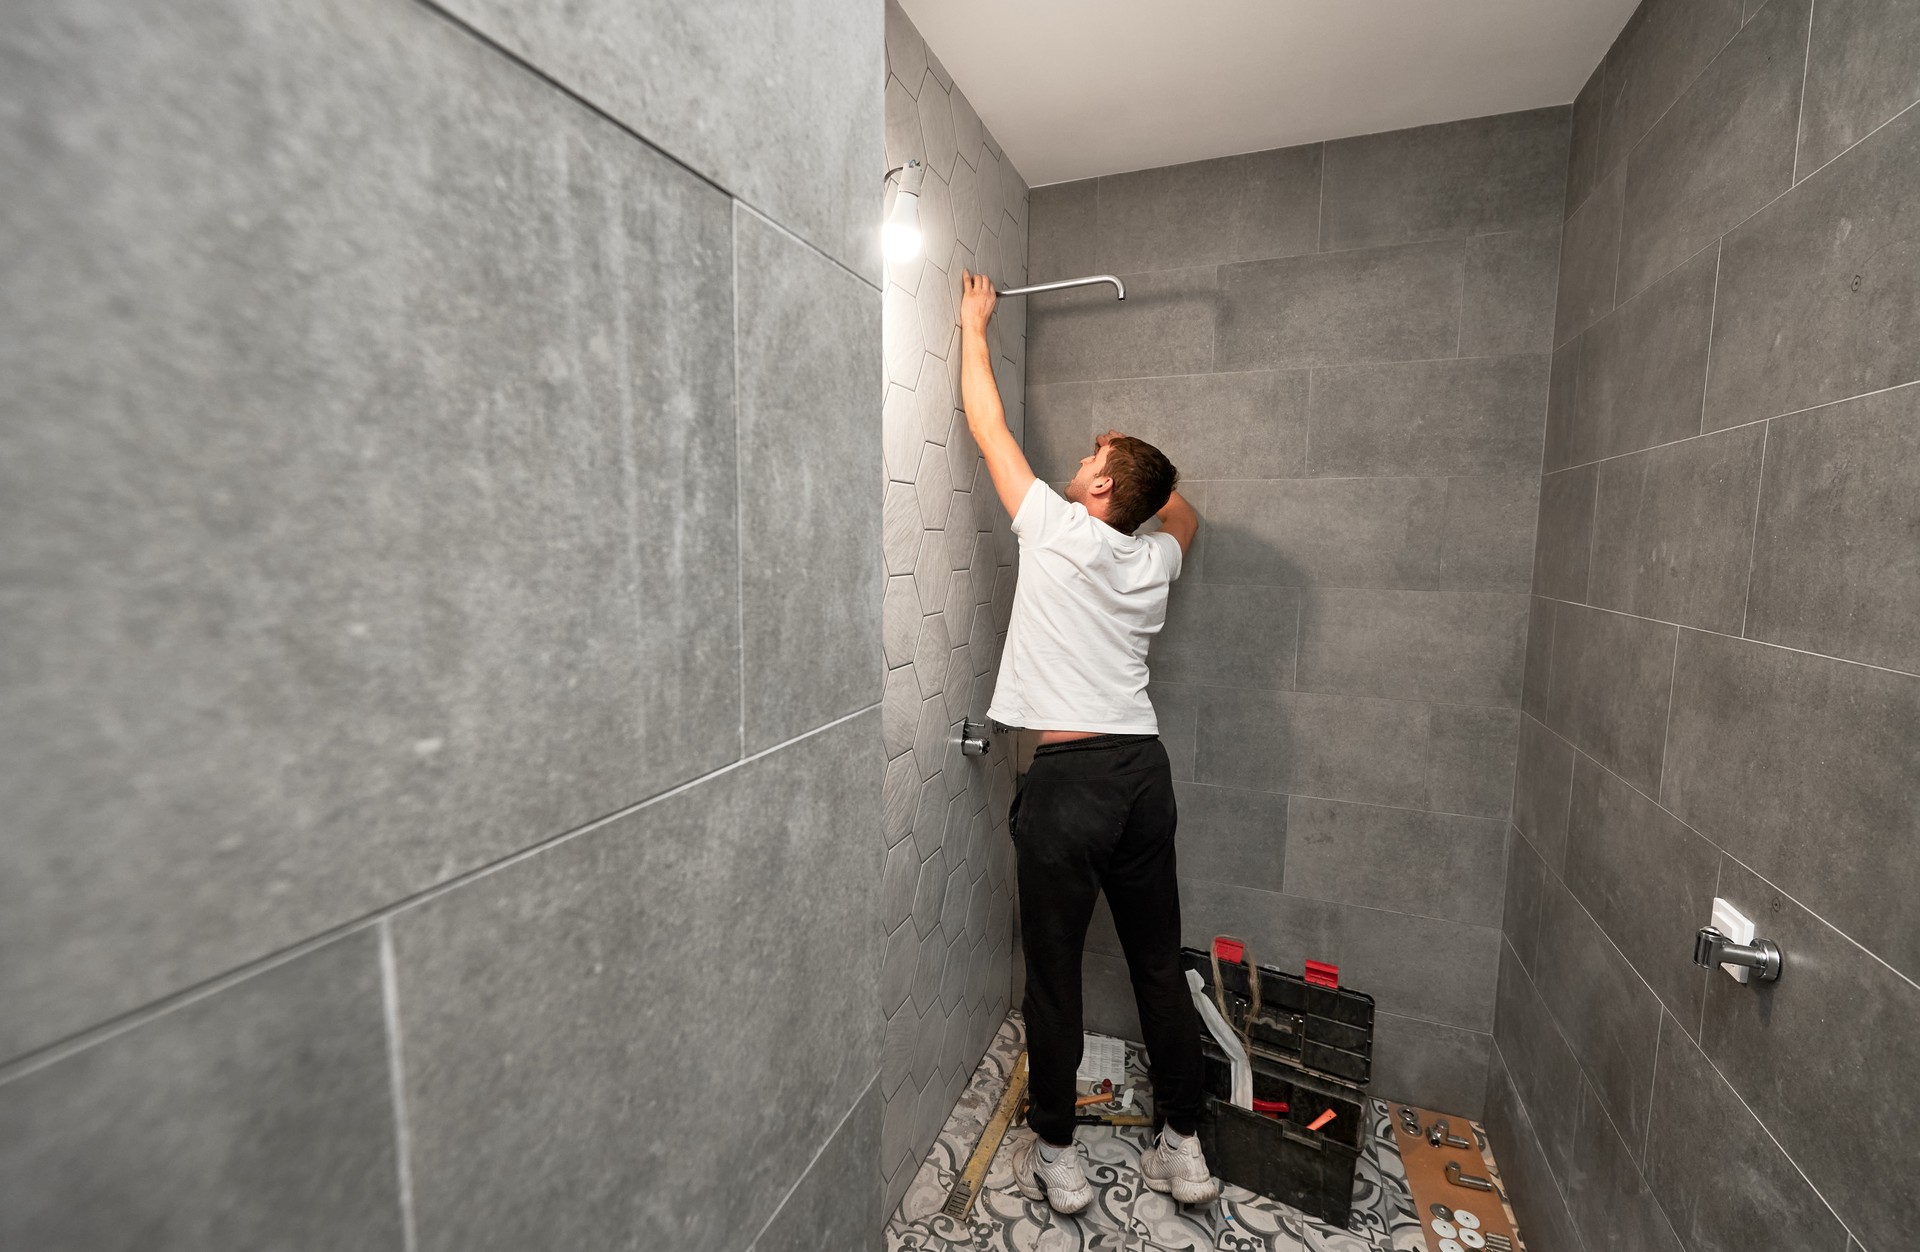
[(739, 499), (1320, 212), (1593, 537), (1753, 529), (1299, 623), (60, 1049), (1800, 119), (1700, 630), (1728, 855), (1713, 318), (1666, 732), (473, 32), (1653, 1085), (1719, 874), (1364, 804), (1856, 143), (1493, 927), (402, 1141), (1721, 430), (814, 1160), (1777, 1145)]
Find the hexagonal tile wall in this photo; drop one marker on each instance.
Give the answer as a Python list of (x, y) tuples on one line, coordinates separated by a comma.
[(947, 901)]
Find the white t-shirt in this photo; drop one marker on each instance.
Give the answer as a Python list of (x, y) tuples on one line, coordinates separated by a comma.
[(1088, 602)]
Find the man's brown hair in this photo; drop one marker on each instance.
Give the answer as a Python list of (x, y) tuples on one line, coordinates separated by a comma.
[(1143, 478)]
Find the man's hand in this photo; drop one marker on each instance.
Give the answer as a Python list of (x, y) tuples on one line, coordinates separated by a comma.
[(977, 299)]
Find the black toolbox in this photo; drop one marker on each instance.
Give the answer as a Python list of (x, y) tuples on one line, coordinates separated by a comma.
[(1312, 1050)]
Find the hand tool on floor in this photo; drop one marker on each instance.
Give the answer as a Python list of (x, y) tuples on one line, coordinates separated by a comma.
[(966, 1188), (1104, 1097)]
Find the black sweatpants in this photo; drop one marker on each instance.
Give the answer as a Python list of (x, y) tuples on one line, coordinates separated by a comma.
[(1096, 814)]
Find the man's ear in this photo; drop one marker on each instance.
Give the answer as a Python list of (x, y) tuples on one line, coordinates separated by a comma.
[(1100, 486)]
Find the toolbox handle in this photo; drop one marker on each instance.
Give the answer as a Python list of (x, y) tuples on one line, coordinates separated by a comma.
[(1301, 1137)]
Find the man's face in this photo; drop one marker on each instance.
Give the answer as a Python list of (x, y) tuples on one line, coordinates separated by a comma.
[(1092, 466)]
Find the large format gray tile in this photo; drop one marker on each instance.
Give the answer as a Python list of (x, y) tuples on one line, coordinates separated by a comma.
[(1835, 568), (1724, 149), (1536, 1198), (1590, 259), (1563, 393), (1658, 54), (1431, 1065), (1236, 208), (1511, 285), (836, 1203), (1716, 1172), (1230, 635), (781, 107), (1564, 545), (1803, 767), (355, 538), (1061, 231), (1673, 530), (1646, 879), (1863, 68), (1462, 534), (1612, 676), (1460, 647), (1824, 1057), (1487, 533), (1542, 783), (562, 986), (1525, 895), (1477, 416), (1470, 757), (809, 356), (1643, 368), (1820, 291), (1166, 325), (1229, 835), (1534, 682), (1610, 1202), (1583, 140), (258, 1117), (1059, 429), (1543, 1069), (1340, 747), (1373, 304), (1433, 864), (1177, 708), (1241, 425), (1414, 966), (1608, 1016), (1477, 177)]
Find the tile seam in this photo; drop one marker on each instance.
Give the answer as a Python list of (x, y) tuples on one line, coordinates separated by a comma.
[(97, 1033), (583, 101)]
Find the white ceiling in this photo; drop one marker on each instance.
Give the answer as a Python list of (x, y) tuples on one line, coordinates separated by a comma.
[(1074, 88)]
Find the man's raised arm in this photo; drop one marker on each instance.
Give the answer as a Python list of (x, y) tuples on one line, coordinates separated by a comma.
[(986, 417)]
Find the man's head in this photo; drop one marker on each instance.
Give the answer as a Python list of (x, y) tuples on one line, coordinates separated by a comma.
[(1125, 481)]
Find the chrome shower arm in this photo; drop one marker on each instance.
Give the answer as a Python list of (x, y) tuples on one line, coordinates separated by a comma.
[(1119, 289)]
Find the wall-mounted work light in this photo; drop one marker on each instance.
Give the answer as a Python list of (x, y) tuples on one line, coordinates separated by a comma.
[(900, 234)]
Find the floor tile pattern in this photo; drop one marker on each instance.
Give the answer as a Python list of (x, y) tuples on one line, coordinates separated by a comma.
[(1126, 1216)]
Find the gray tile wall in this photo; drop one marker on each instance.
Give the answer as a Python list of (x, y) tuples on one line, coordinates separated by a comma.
[(416, 414), (1722, 692), (946, 907), (1346, 348)]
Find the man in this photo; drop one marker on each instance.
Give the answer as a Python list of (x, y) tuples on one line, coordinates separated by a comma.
[(1095, 811)]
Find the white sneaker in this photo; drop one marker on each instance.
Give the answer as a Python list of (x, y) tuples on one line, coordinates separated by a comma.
[(1060, 1182), (1182, 1170)]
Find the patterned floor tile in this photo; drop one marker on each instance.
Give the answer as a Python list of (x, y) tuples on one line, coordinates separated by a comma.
[(1126, 1216)]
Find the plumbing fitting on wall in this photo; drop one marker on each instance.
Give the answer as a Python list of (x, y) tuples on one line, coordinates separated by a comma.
[(975, 738), (1762, 956), (1119, 288)]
